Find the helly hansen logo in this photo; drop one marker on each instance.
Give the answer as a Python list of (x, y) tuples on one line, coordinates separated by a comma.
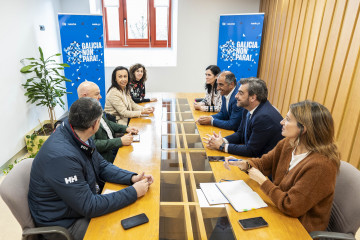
[(84, 147), (70, 179)]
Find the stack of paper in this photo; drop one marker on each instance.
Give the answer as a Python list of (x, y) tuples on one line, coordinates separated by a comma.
[(237, 193)]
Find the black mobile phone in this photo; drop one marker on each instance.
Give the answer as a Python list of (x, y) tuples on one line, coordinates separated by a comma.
[(216, 158), (136, 138), (134, 221), (251, 223)]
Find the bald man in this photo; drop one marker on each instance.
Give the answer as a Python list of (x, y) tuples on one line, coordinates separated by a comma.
[(230, 114), (105, 141)]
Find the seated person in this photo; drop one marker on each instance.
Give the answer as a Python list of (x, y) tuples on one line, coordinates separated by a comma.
[(68, 173), (105, 141), (260, 128), (212, 100), (304, 166), (138, 76), (229, 116), (118, 100)]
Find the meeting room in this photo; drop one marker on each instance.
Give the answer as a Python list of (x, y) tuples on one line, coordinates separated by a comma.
[(180, 119)]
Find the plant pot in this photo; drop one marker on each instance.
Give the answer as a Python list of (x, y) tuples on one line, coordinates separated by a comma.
[(34, 142)]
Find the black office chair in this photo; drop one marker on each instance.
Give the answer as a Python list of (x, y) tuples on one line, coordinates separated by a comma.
[(345, 213), (14, 191)]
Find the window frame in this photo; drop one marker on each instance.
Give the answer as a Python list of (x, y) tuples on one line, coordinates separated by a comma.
[(133, 43)]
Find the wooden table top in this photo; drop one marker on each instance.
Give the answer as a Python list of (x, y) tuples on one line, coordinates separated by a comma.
[(146, 156)]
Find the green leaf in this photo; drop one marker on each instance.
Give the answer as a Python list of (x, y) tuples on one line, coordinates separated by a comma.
[(41, 54), (26, 68)]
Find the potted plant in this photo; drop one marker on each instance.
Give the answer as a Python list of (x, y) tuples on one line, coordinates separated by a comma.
[(45, 87)]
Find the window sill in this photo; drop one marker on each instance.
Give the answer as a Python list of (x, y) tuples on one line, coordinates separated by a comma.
[(150, 57)]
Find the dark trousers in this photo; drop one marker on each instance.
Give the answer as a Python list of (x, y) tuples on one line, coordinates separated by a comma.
[(77, 230)]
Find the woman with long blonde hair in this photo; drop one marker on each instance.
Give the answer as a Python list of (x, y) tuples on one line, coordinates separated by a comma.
[(303, 166)]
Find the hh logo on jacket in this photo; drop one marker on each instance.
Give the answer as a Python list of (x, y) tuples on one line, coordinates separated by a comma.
[(70, 179)]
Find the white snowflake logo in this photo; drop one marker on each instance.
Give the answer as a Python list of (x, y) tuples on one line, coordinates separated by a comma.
[(73, 53), (228, 51)]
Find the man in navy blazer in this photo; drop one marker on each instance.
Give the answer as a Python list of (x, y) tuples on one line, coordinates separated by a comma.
[(230, 114), (260, 129)]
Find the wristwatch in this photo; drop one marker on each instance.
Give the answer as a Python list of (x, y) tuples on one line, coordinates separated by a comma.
[(248, 167), (222, 146)]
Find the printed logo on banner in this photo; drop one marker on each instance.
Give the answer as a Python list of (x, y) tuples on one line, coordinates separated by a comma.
[(87, 52), (239, 44), (83, 49)]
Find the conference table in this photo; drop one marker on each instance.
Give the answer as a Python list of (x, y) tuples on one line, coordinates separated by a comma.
[(171, 148)]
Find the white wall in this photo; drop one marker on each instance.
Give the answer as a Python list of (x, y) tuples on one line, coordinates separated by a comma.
[(75, 6), (197, 39), (20, 37)]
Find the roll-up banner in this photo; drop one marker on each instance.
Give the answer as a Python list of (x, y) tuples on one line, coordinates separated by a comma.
[(83, 49), (239, 44)]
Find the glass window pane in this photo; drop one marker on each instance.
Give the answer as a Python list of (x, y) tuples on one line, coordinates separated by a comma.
[(111, 3), (161, 23), (161, 3), (113, 23), (137, 19)]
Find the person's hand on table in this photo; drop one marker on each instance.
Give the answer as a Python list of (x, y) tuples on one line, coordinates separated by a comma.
[(139, 177), (142, 183), (197, 105), (213, 141), (132, 130), (204, 120), (257, 176), (127, 139), (241, 164), (148, 110)]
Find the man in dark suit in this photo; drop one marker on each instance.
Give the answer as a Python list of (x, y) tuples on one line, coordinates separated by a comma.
[(105, 141), (260, 129), (230, 114)]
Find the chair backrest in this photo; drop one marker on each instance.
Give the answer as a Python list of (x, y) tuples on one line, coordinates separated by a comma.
[(346, 206), (14, 191)]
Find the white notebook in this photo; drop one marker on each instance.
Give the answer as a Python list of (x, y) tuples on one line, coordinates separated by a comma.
[(213, 194), (241, 196)]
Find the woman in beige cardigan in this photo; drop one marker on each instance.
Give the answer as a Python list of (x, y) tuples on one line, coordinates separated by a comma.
[(118, 100)]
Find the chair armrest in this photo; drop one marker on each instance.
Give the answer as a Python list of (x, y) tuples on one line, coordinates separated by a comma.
[(333, 235), (46, 230)]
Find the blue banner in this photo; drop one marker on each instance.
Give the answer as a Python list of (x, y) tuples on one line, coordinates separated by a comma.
[(83, 49), (239, 44)]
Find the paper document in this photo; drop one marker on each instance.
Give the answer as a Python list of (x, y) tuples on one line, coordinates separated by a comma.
[(203, 202), (241, 196), (212, 193)]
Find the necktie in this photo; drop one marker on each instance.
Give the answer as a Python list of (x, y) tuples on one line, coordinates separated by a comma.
[(246, 126)]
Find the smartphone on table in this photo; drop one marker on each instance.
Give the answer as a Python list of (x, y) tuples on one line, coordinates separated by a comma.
[(216, 158), (134, 221), (251, 223)]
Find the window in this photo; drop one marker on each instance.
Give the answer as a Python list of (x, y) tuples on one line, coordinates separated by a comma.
[(137, 23)]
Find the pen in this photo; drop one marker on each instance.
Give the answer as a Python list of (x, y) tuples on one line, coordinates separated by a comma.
[(232, 160)]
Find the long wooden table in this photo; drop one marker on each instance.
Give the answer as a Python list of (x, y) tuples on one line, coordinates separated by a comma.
[(171, 149)]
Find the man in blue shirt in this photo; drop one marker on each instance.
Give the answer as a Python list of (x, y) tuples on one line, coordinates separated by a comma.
[(230, 114), (260, 129)]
